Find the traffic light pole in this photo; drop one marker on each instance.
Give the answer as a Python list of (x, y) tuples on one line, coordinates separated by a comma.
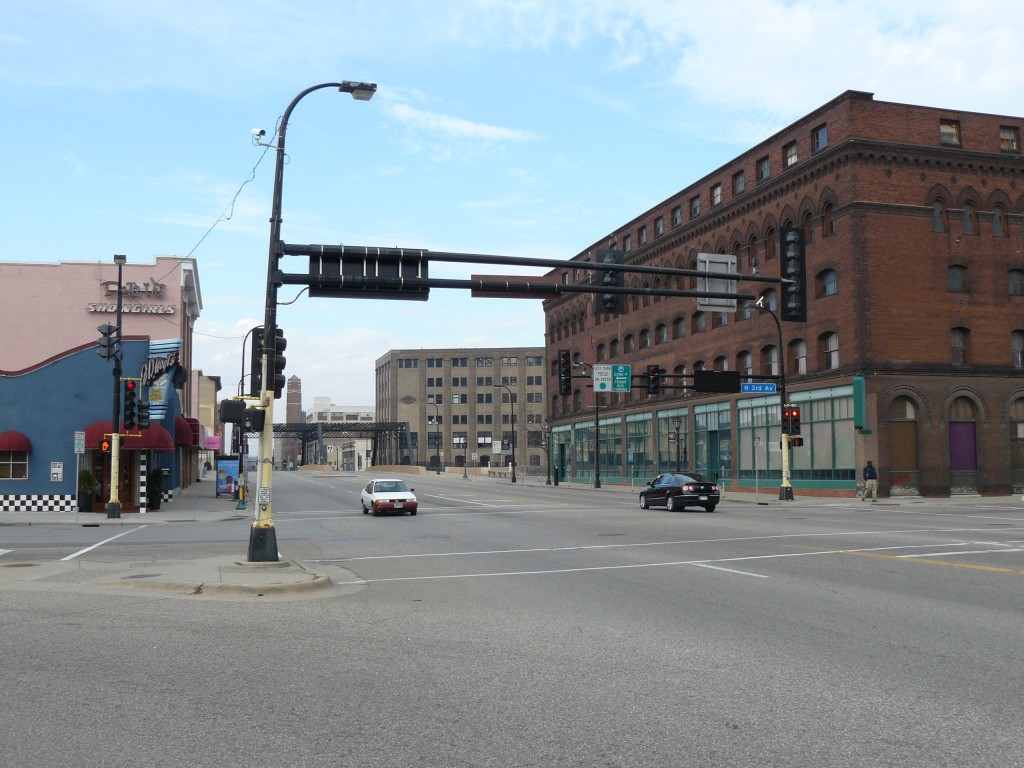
[(262, 535), (785, 490)]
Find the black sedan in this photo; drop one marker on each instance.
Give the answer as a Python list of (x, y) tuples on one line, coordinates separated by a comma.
[(678, 491)]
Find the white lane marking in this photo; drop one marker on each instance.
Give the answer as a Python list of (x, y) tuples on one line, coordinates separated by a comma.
[(730, 570), (101, 543), (5, 551), (661, 544)]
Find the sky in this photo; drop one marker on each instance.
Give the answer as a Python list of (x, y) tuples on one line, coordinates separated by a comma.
[(528, 128)]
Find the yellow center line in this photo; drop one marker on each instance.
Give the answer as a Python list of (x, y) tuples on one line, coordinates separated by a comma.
[(970, 566)]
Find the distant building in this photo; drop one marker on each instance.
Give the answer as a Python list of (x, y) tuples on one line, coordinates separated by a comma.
[(288, 450), (459, 404), (343, 453), (912, 353)]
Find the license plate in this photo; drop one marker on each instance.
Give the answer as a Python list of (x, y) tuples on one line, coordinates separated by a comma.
[(399, 505), (703, 498)]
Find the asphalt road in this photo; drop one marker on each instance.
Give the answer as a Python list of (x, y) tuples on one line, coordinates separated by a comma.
[(517, 625)]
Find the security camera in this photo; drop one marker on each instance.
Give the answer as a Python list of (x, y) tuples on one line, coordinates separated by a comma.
[(259, 133)]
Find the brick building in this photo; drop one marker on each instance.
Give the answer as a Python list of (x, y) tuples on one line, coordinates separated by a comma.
[(913, 349)]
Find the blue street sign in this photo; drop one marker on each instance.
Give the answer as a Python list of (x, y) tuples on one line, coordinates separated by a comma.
[(759, 387)]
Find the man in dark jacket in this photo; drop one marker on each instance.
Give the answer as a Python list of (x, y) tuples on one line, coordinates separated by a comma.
[(870, 483)]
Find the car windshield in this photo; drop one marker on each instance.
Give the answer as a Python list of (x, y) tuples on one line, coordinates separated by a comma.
[(390, 486)]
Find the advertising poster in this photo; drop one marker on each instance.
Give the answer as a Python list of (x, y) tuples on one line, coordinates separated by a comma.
[(227, 475)]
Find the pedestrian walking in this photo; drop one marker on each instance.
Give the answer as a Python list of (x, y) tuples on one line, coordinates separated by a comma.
[(870, 482)]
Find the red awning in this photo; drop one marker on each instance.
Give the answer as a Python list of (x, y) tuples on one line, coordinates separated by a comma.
[(14, 441), (153, 438), (183, 432)]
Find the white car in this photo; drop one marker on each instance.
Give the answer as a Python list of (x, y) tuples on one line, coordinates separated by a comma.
[(388, 495)]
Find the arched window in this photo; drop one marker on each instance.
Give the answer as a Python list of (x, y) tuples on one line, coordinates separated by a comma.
[(613, 349), (645, 339), (998, 218), (806, 225), (721, 363), (829, 345), (1015, 284), (602, 351), (770, 361), (679, 327), (769, 245), (956, 279), (698, 322), (1017, 349), (745, 309), (828, 224), (661, 333), (970, 219), (769, 299), (745, 364), (903, 440), (827, 285), (629, 345), (797, 363), (939, 220), (959, 341)]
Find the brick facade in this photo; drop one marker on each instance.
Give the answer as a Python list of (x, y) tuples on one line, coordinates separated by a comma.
[(914, 221)]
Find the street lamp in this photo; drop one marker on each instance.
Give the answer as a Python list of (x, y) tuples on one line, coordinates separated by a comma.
[(437, 443), (512, 405), (114, 505), (677, 422), (263, 536), (785, 490)]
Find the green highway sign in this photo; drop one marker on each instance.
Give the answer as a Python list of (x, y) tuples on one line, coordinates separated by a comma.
[(622, 378)]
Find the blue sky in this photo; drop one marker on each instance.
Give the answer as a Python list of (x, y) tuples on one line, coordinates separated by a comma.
[(521, 128)]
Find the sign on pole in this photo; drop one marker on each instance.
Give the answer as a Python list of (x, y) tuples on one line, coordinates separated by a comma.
[(761, 387), (602, 378), (79, 442), (622, 378), (712, 263)]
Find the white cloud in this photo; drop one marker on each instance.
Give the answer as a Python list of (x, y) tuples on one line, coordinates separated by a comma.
[(455, 127)]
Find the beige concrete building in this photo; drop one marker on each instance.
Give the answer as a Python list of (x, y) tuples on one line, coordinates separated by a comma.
[(466, 406), (346, 454)]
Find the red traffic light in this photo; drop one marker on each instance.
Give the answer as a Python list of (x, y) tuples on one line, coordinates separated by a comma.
[(105, 446), (129, 385)]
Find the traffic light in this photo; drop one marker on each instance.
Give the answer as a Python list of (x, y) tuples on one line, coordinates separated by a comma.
[(276, 371), (794, 420), (564, 372), (131, 408), (105, 445), (143, 414), (653, 379), (787, 418), (796, 442), (611, 303), (232, 411), (794, 271), (256, 363), (254, 420), (109, 341)]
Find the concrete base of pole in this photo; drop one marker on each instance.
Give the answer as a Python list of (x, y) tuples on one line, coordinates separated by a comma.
[(114, 509), (263, 544), (786, 493)]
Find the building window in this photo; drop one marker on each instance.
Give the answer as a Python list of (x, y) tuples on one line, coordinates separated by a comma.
[(627, 243), (789, 154), (721, 364), (719, 319), (827, 283), (830, 351), (769, 299), (645, 339), (769, 245), (959, 339), (828, 224), (939, 217), (949, 132), (819, 138), (659, 226), (483, 398), (1009, 139), (629, 346), (661, 334), (13, 465), (970, 219), (694, 207), (739, 182), (998, 230), (699, 322), (677, 216), (716, 195), (602, 352), (1017, 349), (769, 361), (744, 364), (746, 309), (956, 278), (798, 357), (613, 349), (764, 168), (1016, 282), (641, 235), (679, 327), (808, 228)]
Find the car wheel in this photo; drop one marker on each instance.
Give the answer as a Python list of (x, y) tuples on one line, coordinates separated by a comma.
[(673, 504), (643, 501), (710, 508), (376, 512), (365, 510), (412, 511)]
